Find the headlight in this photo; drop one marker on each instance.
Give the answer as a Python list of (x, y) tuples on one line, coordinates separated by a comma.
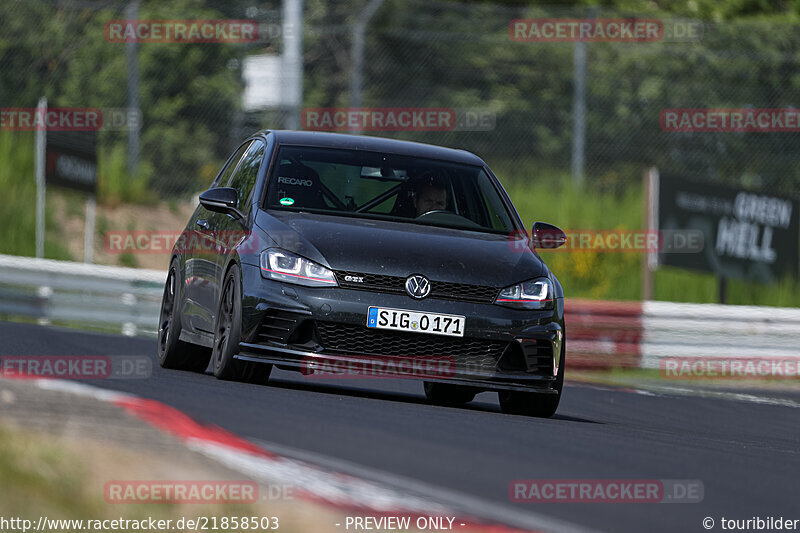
[(533, 294), (285, 266)]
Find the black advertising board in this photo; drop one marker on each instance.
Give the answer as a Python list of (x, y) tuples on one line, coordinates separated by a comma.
[(71, 160), (749, 235)]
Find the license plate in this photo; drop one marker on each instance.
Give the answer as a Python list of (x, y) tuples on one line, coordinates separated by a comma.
[(402, 320)]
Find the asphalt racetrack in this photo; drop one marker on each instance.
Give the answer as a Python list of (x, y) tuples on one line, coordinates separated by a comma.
[(745, 451)]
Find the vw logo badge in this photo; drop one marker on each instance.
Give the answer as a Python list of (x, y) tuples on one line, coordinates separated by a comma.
[(418, 286)]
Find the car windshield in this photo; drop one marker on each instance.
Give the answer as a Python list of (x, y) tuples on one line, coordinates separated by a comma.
[(357, 183)]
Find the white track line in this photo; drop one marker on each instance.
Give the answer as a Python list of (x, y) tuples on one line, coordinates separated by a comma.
[(344, 484)]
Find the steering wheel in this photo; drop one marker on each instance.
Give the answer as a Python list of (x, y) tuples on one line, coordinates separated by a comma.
[(449, 218), (436, 211)]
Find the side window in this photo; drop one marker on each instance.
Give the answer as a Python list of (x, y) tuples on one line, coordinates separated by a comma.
[(225, 175), (244, 178)]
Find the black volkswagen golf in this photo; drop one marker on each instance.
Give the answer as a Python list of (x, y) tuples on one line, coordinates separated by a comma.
[(319, 251)]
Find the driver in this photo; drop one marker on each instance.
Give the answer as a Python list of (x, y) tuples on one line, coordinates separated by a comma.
[(430, 194)]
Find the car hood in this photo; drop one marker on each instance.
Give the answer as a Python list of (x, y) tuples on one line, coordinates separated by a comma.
[(401, 249)]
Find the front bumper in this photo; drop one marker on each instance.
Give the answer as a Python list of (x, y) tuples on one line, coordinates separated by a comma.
[(502, 349)]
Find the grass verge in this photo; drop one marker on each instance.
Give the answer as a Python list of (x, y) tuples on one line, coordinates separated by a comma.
[(618, 276)]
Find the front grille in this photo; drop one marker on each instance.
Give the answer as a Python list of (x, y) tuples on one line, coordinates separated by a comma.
[(439, 289), (462, 291), (371, 282), (358, 340)]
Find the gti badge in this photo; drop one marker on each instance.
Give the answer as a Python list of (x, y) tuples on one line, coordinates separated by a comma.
[(418, 286)]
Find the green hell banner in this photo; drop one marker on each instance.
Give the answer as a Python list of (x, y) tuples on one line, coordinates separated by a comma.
[(748, 234)]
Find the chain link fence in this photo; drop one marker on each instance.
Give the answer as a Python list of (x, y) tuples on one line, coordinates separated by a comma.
[(416, 54)]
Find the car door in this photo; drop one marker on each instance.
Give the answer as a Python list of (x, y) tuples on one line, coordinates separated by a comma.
[(228, 230), (201, 263)]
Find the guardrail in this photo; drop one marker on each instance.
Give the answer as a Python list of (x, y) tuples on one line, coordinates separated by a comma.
[(127, 300), (640, 334), (714, 330), (601, 334)]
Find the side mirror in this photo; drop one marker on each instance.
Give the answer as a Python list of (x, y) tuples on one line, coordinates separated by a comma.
[(547, 236), (222, 200)]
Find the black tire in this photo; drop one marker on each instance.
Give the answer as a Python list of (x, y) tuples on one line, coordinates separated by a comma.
[(173, 352), (228, 333), (449, 394), (534, 404)]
